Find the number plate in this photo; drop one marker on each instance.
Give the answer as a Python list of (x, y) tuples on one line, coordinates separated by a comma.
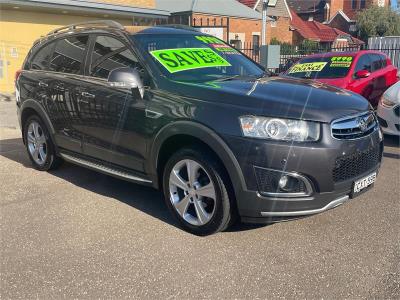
[(364, 183)]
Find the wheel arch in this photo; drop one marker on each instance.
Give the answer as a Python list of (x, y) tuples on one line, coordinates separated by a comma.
[(192, 131), (30, 107)]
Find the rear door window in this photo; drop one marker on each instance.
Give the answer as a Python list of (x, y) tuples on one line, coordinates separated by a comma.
[(41, 59), (376, 62), (69, 55), (384, 60), (110, 54)]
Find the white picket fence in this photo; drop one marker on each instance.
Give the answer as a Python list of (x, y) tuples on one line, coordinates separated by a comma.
[(389, 45)]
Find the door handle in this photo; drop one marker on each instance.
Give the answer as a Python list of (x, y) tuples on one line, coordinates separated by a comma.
[(83, 101), (87, 95), (43, 84)]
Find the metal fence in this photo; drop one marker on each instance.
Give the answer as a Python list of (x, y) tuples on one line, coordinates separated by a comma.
[(249, 50), (291, 54)]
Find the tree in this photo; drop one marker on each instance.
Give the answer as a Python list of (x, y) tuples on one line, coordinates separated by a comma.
[(377, 21)]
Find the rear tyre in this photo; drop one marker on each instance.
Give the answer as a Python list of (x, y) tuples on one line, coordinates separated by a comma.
[(39, 145), (196, 191)]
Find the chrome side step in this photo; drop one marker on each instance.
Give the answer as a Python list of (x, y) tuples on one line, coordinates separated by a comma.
[(102, 168)]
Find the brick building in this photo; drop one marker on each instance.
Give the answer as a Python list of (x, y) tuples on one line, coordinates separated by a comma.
[(278, 24), (227, 19), (24, 21), (340, 14), (286, 25)]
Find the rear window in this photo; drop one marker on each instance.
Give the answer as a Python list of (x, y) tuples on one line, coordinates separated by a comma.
[(40, 60), (322, 67)]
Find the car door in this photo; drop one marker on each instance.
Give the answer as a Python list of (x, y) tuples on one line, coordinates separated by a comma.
[(377, 78), (113, 119), (362, 86), (66, 68)]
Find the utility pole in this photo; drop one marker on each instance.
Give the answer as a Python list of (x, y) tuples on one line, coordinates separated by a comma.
[(264, 23)]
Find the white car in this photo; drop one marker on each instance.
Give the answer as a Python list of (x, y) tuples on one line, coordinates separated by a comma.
[(389, 110)]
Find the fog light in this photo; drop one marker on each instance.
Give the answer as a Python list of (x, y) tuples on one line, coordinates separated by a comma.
[(289, 184), (283, 182)]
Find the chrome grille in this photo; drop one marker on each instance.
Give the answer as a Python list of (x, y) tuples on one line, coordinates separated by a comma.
[(354, 127)]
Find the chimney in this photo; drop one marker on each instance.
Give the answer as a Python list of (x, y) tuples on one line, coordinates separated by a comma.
[(327, 12)]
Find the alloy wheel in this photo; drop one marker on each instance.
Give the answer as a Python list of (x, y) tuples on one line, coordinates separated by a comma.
[(37, 144), (192, 192)]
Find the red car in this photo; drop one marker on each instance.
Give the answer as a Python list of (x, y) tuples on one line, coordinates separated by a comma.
[(368, 73)]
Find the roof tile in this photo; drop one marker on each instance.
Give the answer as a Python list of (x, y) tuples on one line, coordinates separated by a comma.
[(316, 31)]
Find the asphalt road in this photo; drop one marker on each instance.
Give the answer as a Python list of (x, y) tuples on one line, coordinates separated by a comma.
[(74, 233)]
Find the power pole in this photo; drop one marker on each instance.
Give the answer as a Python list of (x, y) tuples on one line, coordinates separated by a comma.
[(264, 23)]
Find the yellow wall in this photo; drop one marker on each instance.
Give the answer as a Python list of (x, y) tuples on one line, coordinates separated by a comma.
[(19, 29)]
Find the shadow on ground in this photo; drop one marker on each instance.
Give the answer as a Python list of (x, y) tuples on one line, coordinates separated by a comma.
[(392, 142), (140, 197), (146, 199)]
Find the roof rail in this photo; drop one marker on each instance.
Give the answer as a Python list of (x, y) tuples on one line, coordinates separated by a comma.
[(91, 24)]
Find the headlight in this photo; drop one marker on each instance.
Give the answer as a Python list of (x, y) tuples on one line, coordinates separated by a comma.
[(280, 129), (387, 102)]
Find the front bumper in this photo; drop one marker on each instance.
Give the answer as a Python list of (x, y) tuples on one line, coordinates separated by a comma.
[(314, 161), (389, 119)]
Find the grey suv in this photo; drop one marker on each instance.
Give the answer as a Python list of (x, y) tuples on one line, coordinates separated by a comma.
[(184, 112)]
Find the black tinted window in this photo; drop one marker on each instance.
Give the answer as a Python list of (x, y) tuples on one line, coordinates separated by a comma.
[(109, 54), (69, 55), (41, 59), (384, 60), (376, 62), (364, 63)]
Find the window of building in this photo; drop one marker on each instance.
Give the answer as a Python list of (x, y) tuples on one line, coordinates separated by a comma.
[(14, 52), (256, 44), (69, 54), (1, 69), (354, 4), (362, 4), (236, 44), (41, 59), (110, 54)]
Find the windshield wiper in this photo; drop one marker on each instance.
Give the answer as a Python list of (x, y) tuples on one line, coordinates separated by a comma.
[(229, 78)]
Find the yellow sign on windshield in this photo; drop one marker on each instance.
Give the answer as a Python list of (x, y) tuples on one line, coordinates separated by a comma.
[(308, 67), (341, 61)]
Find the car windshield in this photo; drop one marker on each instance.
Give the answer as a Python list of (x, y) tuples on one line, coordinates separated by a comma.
[(322, 67), (196, 57)]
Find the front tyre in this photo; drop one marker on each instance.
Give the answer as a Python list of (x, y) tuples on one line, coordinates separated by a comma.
[(39, 146), (196, 191)]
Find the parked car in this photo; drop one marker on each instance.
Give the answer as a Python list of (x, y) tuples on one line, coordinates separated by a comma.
[(389, 111), (186, 113), (368, 73)]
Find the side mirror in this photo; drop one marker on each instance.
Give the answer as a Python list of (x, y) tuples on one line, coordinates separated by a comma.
[(128, 78), (362, 74)]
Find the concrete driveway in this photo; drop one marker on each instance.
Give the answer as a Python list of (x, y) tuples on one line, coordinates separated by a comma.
[(74, 233)]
